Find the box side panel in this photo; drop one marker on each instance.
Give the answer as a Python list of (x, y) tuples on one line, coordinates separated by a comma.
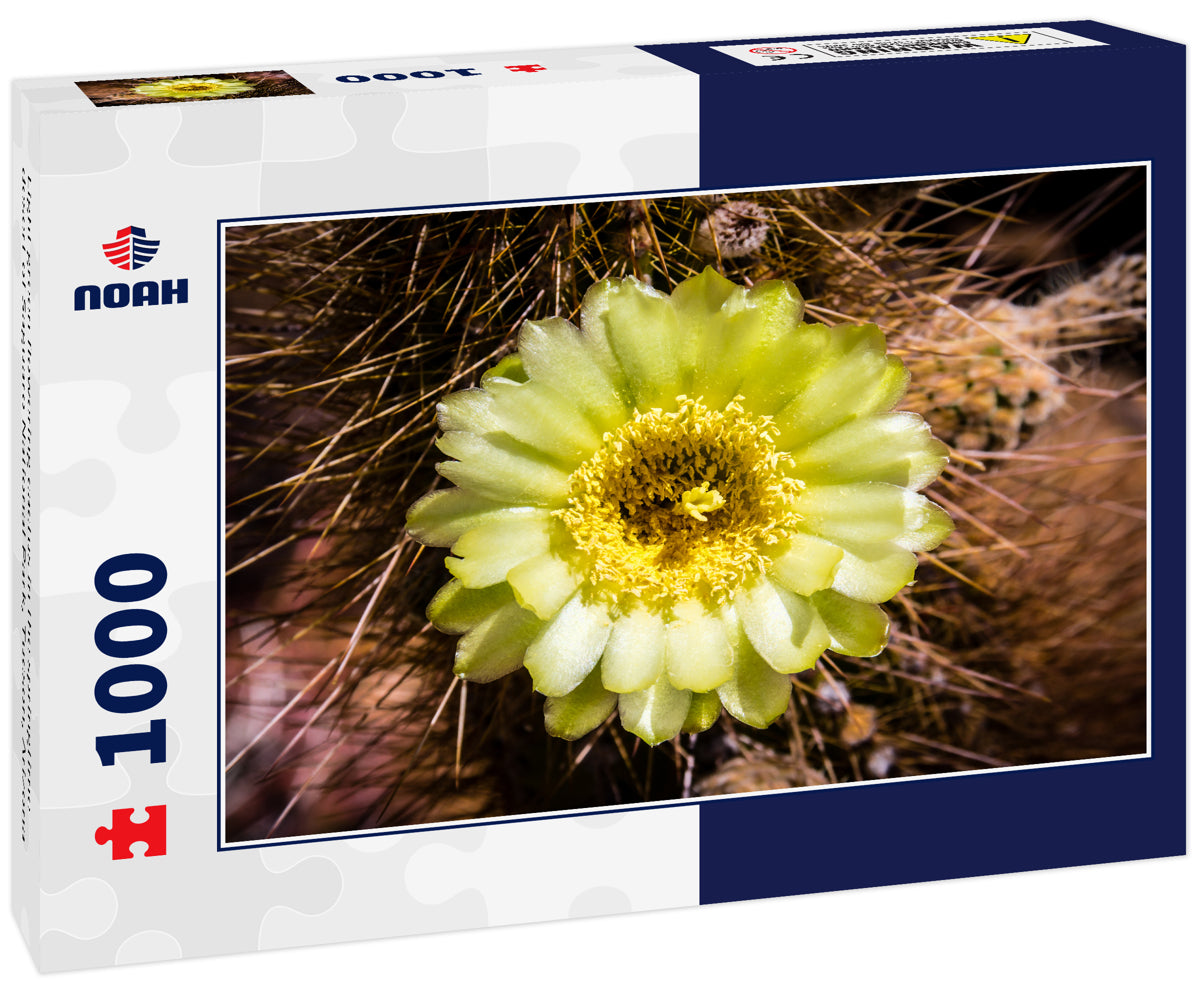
[(1070, 814), (875, 118), (26, 856)]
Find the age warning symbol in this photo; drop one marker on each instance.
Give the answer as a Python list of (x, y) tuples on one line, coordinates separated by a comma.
[(1020, 38), (131, 250)]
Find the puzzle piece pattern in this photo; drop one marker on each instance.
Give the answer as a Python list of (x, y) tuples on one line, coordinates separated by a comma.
[(522, 171), (84, 910), (385, 168), (497, 874), (583, 65), (152, 832), (618, 114), (204, 901), (84, 427), (651, 160), (219, 135), (146, 947), (599, 901), (375, 900), (92, 145), (308, 130), (548, 868), (128, 424), (84, 489)]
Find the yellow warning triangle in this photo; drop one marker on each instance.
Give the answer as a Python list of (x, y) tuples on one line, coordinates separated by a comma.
[(1015, 39)]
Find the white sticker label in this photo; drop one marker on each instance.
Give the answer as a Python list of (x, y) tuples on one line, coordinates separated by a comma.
[(943, 43)]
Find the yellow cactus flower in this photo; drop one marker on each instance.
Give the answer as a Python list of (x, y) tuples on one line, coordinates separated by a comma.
[(191, 88), (675, 508)]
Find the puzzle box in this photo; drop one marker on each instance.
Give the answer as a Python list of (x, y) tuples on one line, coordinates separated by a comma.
[(534, 484)]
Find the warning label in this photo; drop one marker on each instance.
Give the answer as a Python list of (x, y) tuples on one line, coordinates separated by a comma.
[(1019, 39), (788, 53)]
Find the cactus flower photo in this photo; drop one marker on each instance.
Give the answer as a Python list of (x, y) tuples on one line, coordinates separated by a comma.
[(593, 504), (204, 87)]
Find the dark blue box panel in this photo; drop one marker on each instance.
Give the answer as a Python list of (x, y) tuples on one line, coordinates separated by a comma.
[(945, 115), (934, 829)]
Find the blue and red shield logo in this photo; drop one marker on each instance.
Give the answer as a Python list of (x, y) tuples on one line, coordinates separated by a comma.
[(131, 250)]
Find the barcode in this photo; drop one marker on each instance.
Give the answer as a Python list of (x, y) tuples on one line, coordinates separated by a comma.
[(885, 48)]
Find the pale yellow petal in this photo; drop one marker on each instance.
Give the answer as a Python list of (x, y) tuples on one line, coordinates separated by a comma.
[(544, 583), (784, 628), (468, 410), (636, 652), (484, 555), (757, 694), (496, 645), (568, 647), (506, 471), (858, 378), (894, 448), (583, 709), (796, 361), (743, 337), (866, 513), (509, 371), (536, 414), (805, 564), (928, 531), (655, 714), (642, 329), (697, 303), (699, 657), (702, 713), (856, 628), (583, 370), (439, 518), (456, 608), (874, 572)]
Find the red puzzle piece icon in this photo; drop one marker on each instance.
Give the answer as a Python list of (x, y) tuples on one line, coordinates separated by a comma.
[(124, 832)]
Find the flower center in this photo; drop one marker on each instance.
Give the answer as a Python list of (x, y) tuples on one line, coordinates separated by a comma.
[(680, 505)]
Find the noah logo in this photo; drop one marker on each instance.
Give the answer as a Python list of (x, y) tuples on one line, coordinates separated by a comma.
[(131, 250)]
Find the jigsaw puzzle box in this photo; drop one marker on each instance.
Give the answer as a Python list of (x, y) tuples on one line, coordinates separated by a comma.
[(466, 490)]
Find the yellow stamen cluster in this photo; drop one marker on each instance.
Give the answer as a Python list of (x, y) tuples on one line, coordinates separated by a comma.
[(680, 505)]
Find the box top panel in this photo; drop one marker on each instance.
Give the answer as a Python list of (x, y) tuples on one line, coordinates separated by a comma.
[(806, 53), (348, 77)]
